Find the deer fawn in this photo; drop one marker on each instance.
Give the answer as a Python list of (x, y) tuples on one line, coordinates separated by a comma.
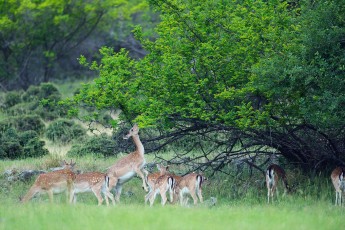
[(273, 174), (338, 181), (152, 178), (190, 183), (126, 168), (163, 184), (54, 182), (93, 181)]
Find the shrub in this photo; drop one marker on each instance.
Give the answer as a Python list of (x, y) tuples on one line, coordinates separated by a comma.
[(63, 130), (26, 136), (23, 108), (34, 148), (17, 146), (98, 146), (37, 93), (9, 145), (12, 98), (28, 122), (11, 150)]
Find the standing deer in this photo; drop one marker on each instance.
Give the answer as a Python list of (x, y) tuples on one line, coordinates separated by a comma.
[(152, 178), (95, 182), (54, 182), (163, 184), (273, 174), (192, 184), (338, 181), (127, 167)]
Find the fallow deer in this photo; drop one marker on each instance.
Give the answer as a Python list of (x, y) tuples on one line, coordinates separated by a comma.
[(95, 182), (338, 181), (54, 182), (163, 184), (152, 178), (274, 173), (192, 184), (127, 167)]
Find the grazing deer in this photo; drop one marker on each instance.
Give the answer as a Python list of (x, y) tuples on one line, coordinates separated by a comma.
[(54, 182), (338, 181), (192, 184), (152, 178), (127, 167), (95, 182), (273, 174), (163, 184)]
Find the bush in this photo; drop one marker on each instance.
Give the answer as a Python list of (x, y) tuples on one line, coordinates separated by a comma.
[(34, 148), (43, 91), (18, 146), (42, 100), (26, 136), (97, 146), (28, 122), (63, 130), (12, 98)]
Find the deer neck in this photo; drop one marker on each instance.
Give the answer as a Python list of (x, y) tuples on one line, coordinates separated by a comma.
[(139, 146)]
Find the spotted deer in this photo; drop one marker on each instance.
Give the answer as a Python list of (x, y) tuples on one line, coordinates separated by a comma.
[(128, 166), (95, 182), (54, 182), (274, 173), (163, 184), (338, 181), (152, 178), (192, 184)]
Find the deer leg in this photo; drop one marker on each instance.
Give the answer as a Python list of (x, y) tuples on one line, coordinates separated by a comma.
[(171, 195), (74, 199), (163, 197), (140, 173), (97, 192), (200, 195), (340, 198), (32, 192), (111, 196), (51, 196), (147, 196), (195, 199), (181, 198), (118, 191), (152, 197)]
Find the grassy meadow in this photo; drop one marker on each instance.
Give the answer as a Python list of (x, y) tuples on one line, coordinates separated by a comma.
[(310, 207)]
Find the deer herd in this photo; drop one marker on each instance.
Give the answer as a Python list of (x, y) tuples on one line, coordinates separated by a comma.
[(161, 182)]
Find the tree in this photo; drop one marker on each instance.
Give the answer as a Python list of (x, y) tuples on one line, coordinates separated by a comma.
[(233, 81), (41, 40)]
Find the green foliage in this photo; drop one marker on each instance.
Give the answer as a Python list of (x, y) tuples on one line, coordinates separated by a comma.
[(198, 67), (23, 123), (18, 145), (96, 146), (63, 130), (12, 98), (273, 70), (41, 100), (42, 39)]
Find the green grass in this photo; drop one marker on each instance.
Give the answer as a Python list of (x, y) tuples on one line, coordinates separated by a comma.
[(241, 205), (293, 215)]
